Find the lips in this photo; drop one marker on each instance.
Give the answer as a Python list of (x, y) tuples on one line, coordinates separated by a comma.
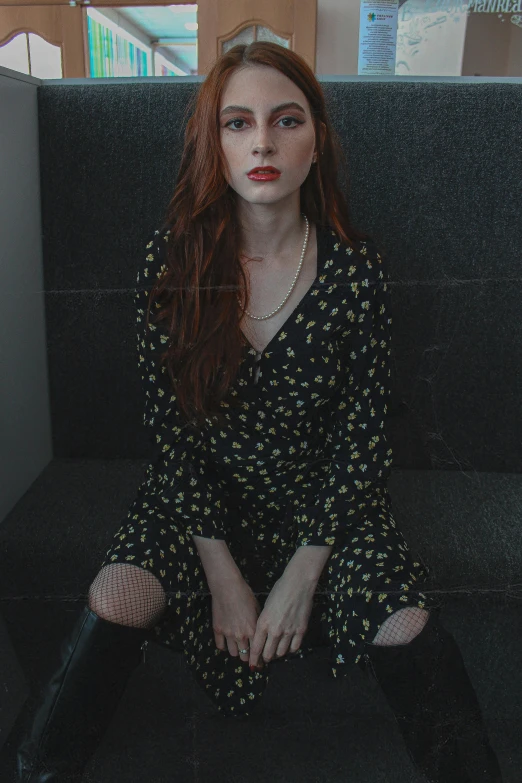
[(264, 169)]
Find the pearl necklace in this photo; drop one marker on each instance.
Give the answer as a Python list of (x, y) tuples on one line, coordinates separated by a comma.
[(263, 317)]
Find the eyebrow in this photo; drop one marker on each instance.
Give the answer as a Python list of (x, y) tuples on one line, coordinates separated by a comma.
[(247, 110)]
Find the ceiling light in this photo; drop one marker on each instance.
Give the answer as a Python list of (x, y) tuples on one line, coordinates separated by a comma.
[(183, 9)]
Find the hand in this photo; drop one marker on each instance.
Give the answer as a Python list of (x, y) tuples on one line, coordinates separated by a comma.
[(235, 610), (283, 621)]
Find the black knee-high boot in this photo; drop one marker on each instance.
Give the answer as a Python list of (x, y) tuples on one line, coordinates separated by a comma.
[(77, 704), (429, 691)]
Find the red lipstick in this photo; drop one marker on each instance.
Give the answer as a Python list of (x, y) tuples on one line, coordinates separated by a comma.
[(264, 173)]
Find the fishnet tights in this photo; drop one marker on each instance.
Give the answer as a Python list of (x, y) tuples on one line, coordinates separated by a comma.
[(127, 595), (402, 626)]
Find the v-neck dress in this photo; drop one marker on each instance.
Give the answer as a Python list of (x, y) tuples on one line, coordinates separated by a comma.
[(303, 461)]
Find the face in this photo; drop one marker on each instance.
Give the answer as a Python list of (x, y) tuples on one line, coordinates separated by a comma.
[(284, 139)]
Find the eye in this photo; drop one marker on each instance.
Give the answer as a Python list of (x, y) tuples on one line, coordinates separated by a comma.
[(293, 119)]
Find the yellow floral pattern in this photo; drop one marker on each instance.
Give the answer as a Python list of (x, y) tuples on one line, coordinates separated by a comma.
[(303, 461)]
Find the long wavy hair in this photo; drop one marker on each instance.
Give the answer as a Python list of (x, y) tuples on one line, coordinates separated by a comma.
[(198, 294)]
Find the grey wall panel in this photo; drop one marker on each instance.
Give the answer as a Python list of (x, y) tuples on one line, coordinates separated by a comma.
[(25, 422)]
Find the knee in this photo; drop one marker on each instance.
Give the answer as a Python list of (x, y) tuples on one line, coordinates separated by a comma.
[(402, 626), (127, 595)]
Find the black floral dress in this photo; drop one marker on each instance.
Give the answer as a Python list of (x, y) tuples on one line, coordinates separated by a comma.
[(304, 461)]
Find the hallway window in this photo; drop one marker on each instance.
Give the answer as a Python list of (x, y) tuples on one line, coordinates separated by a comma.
[(30, 54), (114, 52)]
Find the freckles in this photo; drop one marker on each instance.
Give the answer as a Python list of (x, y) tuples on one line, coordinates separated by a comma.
[(303, 153), (304, 160)]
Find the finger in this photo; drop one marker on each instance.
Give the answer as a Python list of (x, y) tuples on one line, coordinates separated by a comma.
[(232, 646), (257, 645), (220, 641), (282, 647), (296, 642), (272, 644), (260, 660), (289, 644), (243, 644)]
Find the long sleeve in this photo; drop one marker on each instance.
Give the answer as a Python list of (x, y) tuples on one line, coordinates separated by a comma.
[(187, 485), (357, 445)]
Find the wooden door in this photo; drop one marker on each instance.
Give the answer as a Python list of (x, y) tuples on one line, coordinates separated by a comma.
[(57, 23), (221, 24)]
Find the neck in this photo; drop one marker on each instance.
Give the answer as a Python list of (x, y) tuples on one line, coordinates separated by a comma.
[(274, 241)]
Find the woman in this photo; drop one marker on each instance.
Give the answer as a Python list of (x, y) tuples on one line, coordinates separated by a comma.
[(266, 373)]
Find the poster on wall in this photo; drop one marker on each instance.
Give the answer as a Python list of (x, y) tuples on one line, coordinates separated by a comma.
[(377, 37)]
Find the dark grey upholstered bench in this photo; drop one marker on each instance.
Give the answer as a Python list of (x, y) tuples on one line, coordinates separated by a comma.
[(447, 215)]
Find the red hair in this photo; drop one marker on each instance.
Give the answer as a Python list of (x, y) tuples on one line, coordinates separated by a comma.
[(199, 290)]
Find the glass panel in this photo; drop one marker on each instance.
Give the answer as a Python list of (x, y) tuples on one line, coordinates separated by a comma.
[(113, 51), (245, 36), (264, 34), (46, 58), (179, 62), (14, 55)]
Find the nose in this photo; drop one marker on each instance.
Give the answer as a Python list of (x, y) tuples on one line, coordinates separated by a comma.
[(263, 143)]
